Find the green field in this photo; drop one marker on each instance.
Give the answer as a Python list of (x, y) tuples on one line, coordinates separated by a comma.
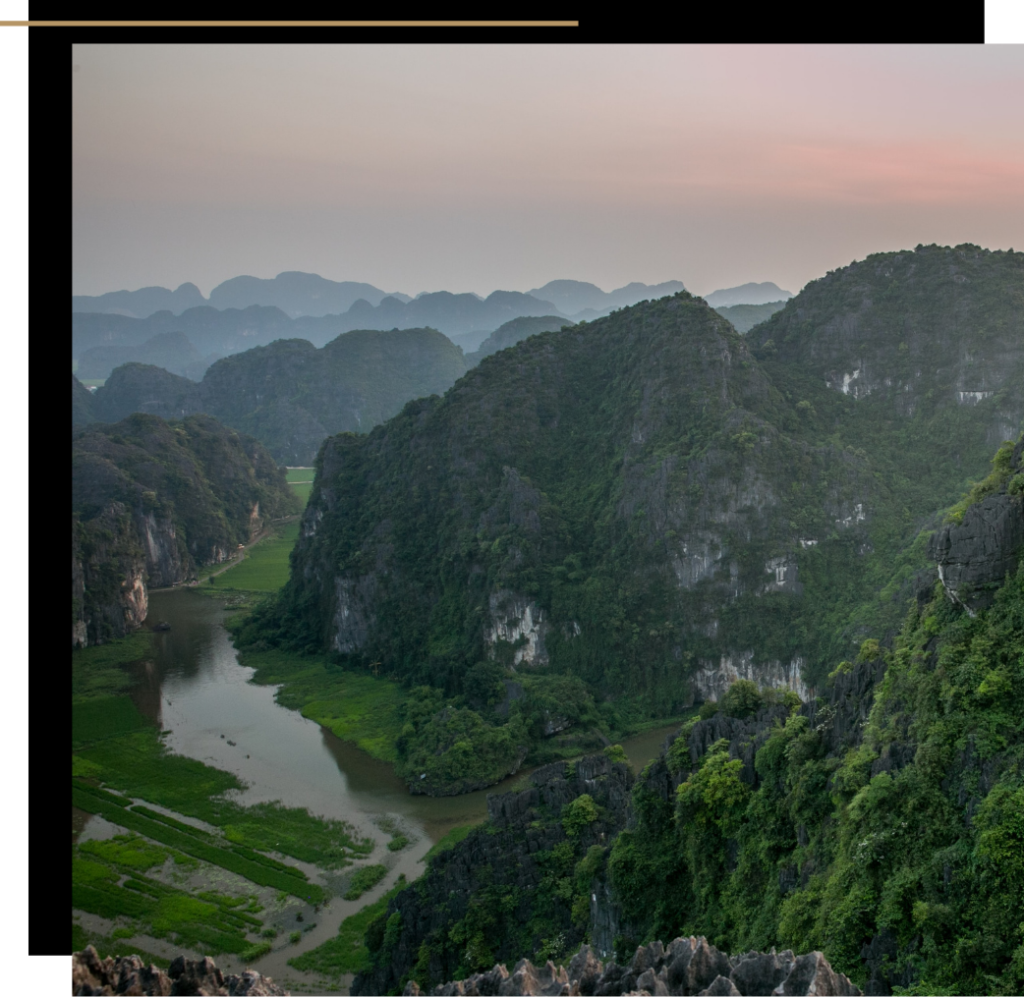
[(265, 568), (300, 474), (303, 489), (347, 952), (117, 751)]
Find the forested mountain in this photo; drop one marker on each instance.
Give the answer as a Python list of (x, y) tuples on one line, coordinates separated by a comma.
[(290, 395), (646, 503), (153, 501), (879, 823), (512, 332), (171, 350), (103, 342)]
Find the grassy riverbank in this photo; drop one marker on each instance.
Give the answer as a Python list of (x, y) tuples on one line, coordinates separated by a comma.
[(190, 865)]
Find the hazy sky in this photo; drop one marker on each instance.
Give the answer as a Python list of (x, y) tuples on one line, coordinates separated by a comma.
[(471, 168)]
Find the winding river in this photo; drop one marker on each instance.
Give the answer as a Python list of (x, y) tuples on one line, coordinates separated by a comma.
[(195, 688)]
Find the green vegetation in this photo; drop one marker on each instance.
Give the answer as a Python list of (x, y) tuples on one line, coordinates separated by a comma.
[(265, 566), (356, 707), (363, 879), (913, 836), (117, 749), (533, 476), (347, 952), (254, 952), (296, 474), (302, 491), (109, 881), (449, 841)]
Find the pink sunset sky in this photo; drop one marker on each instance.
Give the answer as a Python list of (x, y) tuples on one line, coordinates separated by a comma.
[(473, 168)]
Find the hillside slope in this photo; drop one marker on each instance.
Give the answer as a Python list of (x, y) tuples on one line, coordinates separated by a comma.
[(642, 502), (154, 501)]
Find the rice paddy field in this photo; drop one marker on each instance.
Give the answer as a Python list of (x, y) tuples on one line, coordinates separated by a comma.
[(265, 567)]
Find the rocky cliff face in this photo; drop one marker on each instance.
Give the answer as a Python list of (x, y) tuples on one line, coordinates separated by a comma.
[(151, 503), (975, 555), (514, 855), (912, 330), (662, 505), (685, 966)]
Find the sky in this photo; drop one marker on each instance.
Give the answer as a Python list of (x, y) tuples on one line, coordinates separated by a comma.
[(475, 168)]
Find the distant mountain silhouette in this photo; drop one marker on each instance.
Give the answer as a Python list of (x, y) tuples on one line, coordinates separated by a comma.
[(745, 317), (747, 294), (297, 293), (119, 338), (171, 350), (294, 292), (141, 303), (582, 301)]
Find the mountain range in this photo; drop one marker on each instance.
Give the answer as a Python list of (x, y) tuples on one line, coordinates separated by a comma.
[(654, 473), (290, 395), (747, 294)]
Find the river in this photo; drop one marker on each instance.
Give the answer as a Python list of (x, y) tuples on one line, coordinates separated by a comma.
[(195, 688)]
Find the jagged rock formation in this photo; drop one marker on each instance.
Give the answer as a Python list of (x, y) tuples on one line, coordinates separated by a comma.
[(686, 966), (151, 503), (129, 975), (512, 855), (975, 555), (289, 395)]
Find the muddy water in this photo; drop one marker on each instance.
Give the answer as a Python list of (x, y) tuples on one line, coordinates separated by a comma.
[(194, 687)]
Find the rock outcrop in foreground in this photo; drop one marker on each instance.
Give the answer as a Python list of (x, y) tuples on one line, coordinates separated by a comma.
[(128, 975), (688, 966)]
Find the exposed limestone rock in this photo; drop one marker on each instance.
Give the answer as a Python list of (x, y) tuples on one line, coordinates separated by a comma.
[(520, 622), (974, 556), (711, 681), (128, 975), (690, 966)]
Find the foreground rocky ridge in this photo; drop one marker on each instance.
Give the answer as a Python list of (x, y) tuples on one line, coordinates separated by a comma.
[(524, 854), (129, 975), (689, 966)]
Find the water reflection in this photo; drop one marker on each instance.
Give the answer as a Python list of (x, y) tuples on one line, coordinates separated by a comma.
[(195, 688)]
